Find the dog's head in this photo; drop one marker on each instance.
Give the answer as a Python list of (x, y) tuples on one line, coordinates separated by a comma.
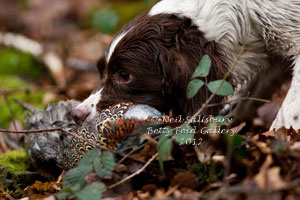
[(150, 61)]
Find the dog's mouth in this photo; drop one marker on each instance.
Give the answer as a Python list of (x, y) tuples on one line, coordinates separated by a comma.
[(90, 114), (96, 122), (87, 110)]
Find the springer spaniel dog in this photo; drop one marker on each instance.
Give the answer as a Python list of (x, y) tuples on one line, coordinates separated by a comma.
[(152, 58)]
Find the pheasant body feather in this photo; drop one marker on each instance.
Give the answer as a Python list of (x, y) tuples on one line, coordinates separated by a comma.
[(110, 128)]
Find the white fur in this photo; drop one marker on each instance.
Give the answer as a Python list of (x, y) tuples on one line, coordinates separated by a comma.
[(226, 22), (114, 43), (264, 28), (289, 112), (90, 104)]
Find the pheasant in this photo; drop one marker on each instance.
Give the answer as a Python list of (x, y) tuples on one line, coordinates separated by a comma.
[(109, 129)]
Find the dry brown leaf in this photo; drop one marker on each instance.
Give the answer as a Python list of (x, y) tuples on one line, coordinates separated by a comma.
[(150, 188), (267, 134), (185, 180), (51, 197), (238, 128), (40, 188), (143, 195), (270, 179), (296, 146), (282, 134), (171, 190), (263, 147), (294, 135), (160, 193), (3, 195), (147, 152)]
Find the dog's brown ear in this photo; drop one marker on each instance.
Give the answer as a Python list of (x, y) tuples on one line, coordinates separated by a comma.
[(176, 72), (178, 66), (101, 65)]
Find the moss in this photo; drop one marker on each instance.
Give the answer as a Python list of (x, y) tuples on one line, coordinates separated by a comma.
[(15, 174), (17, 62), (207, 173), (15, 161), (14, 190), (10, 82), (13, 167), (128, 10), (24, 3)]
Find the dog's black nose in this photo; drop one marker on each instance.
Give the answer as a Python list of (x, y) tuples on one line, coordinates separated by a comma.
[(80, 114)]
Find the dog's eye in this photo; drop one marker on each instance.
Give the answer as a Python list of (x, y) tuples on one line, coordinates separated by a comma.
[(124, 75)]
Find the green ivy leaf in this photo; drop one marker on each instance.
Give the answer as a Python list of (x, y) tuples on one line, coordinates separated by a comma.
[(89, 157), (203, 68), (108, 161), (91, 192), (225, 90), (63, 194), (167, 131), (76, 187), (193, 87), (105, 20), (278, 147), (184, 132), (76, 176), (104, 164), (161, 139), (236, 144), (164, 150), (99, 168)]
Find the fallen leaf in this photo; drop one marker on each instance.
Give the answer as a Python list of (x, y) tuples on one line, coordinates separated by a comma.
[(185, 180), (151, 188), (271, 179), (40, 188), (296, 146)]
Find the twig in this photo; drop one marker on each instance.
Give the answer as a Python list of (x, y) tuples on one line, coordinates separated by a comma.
[(27, 106), (5, 92), (11, 113), (239, 99), (9, 196), (130, 153), (30, 131), (132, 175), (134, 150)]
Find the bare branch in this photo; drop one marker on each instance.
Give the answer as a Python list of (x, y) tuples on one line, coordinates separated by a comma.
[(132, 175), (239, 99)]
